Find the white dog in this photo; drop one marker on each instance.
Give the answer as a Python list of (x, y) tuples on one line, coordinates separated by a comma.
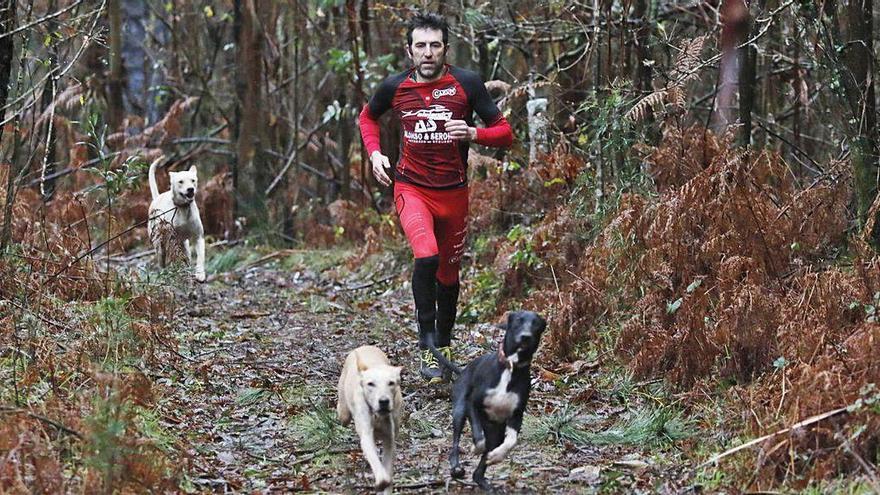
[(177, 208), (369, 393)]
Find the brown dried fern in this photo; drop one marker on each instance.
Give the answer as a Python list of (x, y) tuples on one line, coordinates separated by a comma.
[(683, 71)]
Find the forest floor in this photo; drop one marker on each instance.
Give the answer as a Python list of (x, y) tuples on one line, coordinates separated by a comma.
[(249, 392)]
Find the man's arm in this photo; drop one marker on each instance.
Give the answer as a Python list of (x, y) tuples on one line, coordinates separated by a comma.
[(369, 124), (497, 135), (379, 104), (369, 130), (370, 134), (497, 132)]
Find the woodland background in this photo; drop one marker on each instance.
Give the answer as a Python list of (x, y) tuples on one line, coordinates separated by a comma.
[(692, 199)]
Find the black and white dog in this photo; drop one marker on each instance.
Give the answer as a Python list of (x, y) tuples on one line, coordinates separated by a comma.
[(492, 392)]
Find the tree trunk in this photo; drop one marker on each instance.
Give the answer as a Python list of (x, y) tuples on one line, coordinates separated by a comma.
[(536, 108), (644, 73), (365, 26), (734, 26), (115, 110), (134, 56), (7, 45), (249, 173), (155, 66), (799, 95), (47, 186), (748, 58), (599, 191), (859, 56)]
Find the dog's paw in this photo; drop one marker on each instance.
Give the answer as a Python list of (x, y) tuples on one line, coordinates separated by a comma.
[(484, 484), (200, 276), (457, 472), (382, 482), (480, 447), (495, 456)]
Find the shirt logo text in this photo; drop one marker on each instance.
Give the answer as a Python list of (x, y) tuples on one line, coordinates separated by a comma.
[(450, 91)]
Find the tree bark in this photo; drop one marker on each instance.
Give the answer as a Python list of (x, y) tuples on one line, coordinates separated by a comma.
[(114, 97), (644, 73), (134, 56), (7, 45), (47, 185), (748, 59), (858, 58), (156, 65), (734, 26), (249, 174)]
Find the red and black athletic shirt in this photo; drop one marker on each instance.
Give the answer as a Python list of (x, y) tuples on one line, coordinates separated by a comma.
[(428, 156)]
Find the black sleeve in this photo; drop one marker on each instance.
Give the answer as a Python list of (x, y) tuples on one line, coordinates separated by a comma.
[(478, 95), (381, 101)]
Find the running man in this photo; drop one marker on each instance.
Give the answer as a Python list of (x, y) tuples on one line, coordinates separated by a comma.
[(434, 102)]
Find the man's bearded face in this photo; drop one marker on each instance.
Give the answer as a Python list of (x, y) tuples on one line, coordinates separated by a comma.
[(428, 53)]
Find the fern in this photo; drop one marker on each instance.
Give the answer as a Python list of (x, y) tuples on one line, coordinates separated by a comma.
[(688, 61), (684, 70), (653, 101)]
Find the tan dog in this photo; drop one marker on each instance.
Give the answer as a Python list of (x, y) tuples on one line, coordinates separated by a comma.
[(369, 394)]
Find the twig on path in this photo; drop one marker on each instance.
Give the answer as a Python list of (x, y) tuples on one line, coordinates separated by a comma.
[(806, 422), (256, 263), (59, 426), (265, 259), (242, 315), (306, 458), (416, 486), (369, 284), (423, 484)]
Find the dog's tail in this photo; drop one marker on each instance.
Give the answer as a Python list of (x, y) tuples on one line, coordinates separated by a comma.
[(154, 188), (454, 368)]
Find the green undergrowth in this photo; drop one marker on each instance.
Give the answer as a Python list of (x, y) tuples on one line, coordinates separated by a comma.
[(82, 364), (317, 260), (644, 426), (318, 429), (227, 260)]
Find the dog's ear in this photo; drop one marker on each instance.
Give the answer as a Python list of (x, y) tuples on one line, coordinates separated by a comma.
[(510, 317), (505, 323), (398, 370), (539, 322), (193, 169), (360, 365)]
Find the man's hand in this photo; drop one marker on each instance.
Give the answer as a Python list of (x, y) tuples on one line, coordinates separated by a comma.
[(460, 131), (380, 163)]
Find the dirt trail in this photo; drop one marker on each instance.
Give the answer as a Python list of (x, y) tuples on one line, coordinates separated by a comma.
[(253, 396)]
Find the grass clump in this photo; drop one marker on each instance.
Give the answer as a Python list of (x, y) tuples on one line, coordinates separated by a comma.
[(649, 426), (318, 429)]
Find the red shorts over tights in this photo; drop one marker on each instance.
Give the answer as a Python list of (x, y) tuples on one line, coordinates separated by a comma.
[(435, 222)]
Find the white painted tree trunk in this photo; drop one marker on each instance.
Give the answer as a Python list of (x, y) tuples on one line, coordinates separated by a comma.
[(537, 112)]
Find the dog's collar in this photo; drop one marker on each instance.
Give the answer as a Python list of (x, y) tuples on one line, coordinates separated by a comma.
[(508, 362)]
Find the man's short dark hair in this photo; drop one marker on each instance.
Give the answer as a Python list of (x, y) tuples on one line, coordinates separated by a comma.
[(427, 20)]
